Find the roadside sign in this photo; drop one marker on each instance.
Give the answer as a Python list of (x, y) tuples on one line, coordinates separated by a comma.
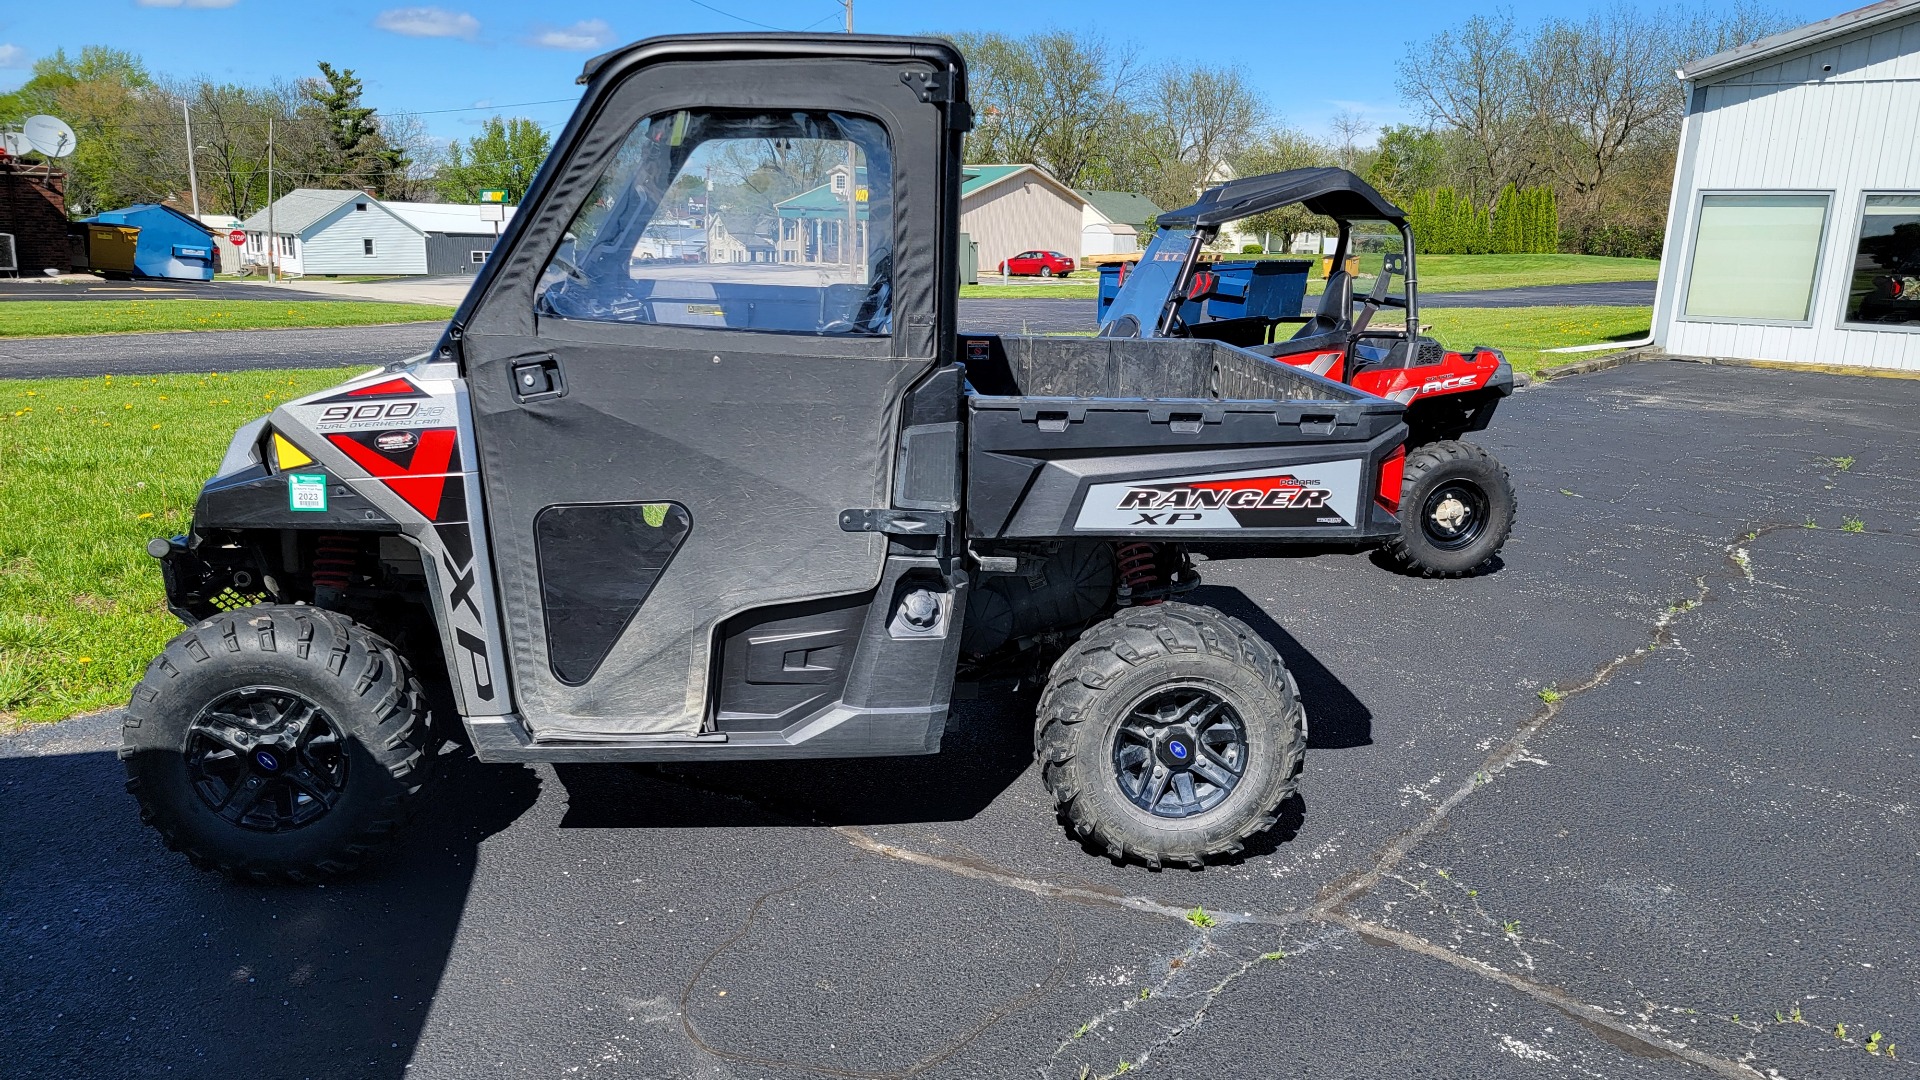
[(494, 196), (493, 212), (237, 238)]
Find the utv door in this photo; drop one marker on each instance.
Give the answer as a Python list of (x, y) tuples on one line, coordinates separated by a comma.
[(690, 356)]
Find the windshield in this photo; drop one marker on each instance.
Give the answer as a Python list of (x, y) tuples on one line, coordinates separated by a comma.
[(1149, 286)]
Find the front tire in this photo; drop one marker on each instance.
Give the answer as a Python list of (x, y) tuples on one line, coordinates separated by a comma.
[(1456, 510), (276, 743), (1170, 734)]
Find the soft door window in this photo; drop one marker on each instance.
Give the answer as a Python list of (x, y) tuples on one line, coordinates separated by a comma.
[(736, 219), (1754, 257), (1885, 286)]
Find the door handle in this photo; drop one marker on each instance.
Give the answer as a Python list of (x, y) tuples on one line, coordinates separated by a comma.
[(538, 379)]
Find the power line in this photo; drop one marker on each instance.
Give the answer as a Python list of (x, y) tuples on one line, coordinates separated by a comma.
[(738, 18)]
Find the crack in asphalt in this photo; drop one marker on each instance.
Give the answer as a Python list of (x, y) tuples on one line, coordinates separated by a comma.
[(1328, 907)]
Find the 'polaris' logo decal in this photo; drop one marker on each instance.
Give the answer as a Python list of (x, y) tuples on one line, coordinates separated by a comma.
[(1322, 495)]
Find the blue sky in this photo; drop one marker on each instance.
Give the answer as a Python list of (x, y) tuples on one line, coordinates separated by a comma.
[(448, 58)]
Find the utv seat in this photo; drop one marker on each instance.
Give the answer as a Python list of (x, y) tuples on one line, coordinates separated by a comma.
[(1329, 327)]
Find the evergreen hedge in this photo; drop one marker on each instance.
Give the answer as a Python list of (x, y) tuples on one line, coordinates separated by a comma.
[(1521, 221)]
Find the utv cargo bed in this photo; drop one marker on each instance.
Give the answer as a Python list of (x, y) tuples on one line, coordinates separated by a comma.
[(1124, 437)]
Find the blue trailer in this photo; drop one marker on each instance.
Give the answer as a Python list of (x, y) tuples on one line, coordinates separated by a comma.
[(1266, 288), (170, 245)]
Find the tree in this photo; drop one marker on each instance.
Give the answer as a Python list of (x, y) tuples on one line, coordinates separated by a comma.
[(504, 156), (1053, 99), (355, 152), (1192, 122), (97, 93), (1472, 82), (1408, 159)]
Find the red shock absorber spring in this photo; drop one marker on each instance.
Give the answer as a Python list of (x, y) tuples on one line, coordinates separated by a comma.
[(1139, 568), (335, 558)]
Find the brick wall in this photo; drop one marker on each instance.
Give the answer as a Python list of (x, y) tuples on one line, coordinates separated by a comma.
[(33, 207)]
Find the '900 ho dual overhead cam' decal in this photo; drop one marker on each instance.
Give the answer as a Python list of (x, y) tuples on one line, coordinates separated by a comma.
[(1321, 494)]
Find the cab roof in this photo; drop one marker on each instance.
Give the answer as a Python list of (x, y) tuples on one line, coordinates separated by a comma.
[(1334, 193)]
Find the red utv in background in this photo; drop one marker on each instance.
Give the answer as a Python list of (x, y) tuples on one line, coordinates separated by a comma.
[(1039, 264), (1454, 501)]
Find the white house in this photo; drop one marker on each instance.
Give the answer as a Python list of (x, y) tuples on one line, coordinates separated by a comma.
[(1794, 228), (318, 231), (1114, 222)]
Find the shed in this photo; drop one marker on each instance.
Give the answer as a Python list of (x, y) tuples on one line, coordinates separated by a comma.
[(1793, 232), (170, 244), (460, 236), (1113, 222), (322, 231), (1008, 209)]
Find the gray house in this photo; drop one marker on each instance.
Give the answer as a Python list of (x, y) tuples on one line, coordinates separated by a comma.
[(311, 231)]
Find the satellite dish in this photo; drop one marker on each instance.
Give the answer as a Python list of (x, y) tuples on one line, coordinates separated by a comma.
[(49, 135), (13, 144)]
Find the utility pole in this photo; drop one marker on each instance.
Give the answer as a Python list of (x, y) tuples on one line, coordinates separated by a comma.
[(847, 246), (193, 178), (273, 240)]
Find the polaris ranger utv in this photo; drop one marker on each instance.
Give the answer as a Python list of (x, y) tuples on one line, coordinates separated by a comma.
[(1454, 500), (700, 472)]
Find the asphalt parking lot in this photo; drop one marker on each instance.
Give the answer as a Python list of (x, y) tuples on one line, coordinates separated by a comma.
[(1643, 802)]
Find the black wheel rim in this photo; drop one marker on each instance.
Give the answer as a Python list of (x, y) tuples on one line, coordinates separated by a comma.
[(1180, 751), (267, 759), (1455, 514)]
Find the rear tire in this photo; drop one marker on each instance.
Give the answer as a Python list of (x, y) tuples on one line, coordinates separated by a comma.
[(1456, 510), (1167, 691), (276, 743)]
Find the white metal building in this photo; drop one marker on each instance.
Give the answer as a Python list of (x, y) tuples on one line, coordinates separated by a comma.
[(1794, 228), (318, 231)]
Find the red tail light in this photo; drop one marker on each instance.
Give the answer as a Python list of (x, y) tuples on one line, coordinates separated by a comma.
[(1390, 476)]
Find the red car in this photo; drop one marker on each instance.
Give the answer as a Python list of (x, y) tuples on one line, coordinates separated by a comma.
[(1038, 264)]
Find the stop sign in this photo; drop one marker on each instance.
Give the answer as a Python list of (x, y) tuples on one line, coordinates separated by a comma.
[(236, 238)]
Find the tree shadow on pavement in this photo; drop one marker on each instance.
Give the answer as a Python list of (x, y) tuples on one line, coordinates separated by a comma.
[(119, 959)]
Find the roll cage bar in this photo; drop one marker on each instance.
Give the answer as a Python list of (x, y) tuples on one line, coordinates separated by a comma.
[(1329, 192)]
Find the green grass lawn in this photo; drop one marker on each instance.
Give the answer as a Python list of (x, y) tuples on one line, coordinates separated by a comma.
[(1066, 290), (1467, 273), (90, 470), (34, 318), (1523, 333)]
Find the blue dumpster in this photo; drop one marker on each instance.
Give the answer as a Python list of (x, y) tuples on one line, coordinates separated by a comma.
[(1268, 288), (171, 244)]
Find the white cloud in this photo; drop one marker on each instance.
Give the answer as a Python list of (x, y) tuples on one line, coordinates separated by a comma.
[(581, 36), (428, 22), (12, 56), (187, 3)]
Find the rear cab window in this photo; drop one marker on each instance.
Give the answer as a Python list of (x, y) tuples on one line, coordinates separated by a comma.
[(735, 219)]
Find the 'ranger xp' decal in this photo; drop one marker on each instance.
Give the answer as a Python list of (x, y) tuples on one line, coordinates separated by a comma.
[(1322, 494)]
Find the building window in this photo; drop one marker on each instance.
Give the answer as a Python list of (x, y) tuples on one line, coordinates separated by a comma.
[(366, 246), (1885, 287), (476, 257), (286, 246), (1754, 257), (359, 206)]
